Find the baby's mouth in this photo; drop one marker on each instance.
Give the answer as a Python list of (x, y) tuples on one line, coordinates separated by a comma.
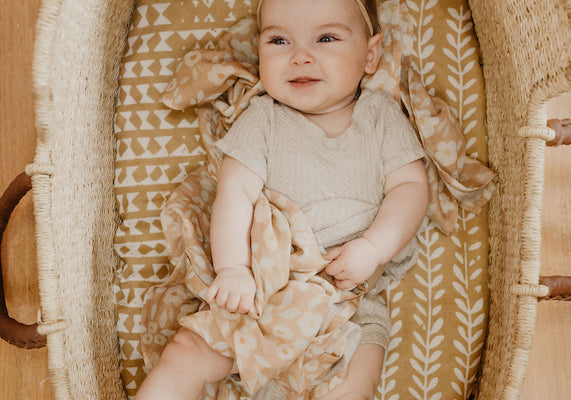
[(303, 82)]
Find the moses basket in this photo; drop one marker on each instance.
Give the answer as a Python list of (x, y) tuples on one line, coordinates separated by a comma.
[(525, 54)]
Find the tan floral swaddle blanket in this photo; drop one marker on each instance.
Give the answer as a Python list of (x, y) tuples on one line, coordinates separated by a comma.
[(300, 327)]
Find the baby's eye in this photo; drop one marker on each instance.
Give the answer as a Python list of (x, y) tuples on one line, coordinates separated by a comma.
[(327, 39), (278, 41)]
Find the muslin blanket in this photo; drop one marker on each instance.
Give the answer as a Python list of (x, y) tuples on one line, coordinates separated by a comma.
[(300, 327)]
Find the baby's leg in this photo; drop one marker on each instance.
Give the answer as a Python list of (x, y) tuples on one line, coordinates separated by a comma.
[(186, 365), (363, 375)]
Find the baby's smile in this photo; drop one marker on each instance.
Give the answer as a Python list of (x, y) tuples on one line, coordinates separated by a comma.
[(303, 82)]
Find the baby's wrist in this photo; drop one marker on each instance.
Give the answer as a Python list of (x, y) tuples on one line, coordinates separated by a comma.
[(379, 253), (233, 268)]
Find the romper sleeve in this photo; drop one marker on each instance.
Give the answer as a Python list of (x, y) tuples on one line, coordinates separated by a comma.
[(247, 139), (399, 142)]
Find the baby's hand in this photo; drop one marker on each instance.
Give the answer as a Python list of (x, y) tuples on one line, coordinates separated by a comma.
[(233, 288), (352, 263)]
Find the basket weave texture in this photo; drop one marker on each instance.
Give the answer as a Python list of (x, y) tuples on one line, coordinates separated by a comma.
[(525, 47), (526, 53)]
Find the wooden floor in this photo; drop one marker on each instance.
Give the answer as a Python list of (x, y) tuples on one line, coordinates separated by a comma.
[(24, 374)]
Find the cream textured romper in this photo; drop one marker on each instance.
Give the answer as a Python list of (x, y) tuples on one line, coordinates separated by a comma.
[(337, 182)]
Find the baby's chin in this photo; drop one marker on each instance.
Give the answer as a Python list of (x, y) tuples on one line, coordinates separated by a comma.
[(320, 111), (310, 109), (315, 107)]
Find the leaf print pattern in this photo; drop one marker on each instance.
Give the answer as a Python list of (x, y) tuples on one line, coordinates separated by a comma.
[(462, 63), (426, 348), (424, 47), (390, 371), (450, 331), (471, 311)]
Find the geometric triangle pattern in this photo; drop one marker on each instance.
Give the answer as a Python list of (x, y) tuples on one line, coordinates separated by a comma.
[(156, 148)]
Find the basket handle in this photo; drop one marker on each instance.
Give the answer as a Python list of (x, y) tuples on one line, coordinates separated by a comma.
[(559, 287), (12, 331), (562, 128)]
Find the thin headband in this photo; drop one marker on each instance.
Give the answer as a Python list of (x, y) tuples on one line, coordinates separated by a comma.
[(359, 4)]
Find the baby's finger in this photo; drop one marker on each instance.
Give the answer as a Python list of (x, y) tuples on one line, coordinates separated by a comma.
[(233, 302), (338, 273), (333, 253), (344, 284), (341, 276), (334, 268), (222, 298), (210, 294), (246, 304)]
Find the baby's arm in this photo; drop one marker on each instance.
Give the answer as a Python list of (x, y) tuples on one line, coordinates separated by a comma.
[(399, 217), (238, 189)]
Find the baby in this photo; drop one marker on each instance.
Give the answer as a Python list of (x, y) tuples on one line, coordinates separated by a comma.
[(349, 160)]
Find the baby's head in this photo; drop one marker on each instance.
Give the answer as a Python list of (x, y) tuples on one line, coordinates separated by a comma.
[(368, 9), (313, 53)]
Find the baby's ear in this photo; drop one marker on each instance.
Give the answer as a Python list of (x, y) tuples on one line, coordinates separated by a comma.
[(373, 53)]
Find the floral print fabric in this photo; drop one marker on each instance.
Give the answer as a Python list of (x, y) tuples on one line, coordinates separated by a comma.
[(300, 324)]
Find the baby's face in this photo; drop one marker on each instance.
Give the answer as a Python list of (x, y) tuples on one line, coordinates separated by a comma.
[(313, 54)]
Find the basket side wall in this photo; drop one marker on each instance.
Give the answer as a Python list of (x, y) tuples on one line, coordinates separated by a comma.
[(525, 51), (76, 82)]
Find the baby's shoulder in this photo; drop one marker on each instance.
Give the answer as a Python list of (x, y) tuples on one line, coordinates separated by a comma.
[(379, 99), (261, 103), (377, 107), (257, 111)]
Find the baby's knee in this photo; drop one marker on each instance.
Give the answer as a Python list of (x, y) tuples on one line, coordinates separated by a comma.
[(185, 345), (188, 351)]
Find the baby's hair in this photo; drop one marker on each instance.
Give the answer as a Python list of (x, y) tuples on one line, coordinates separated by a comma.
[(368, 6), (371, 7)]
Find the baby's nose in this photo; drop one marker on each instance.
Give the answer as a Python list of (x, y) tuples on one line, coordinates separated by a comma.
[(301, 56)]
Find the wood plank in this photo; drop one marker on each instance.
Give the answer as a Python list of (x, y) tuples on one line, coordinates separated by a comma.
[(23, 373)]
